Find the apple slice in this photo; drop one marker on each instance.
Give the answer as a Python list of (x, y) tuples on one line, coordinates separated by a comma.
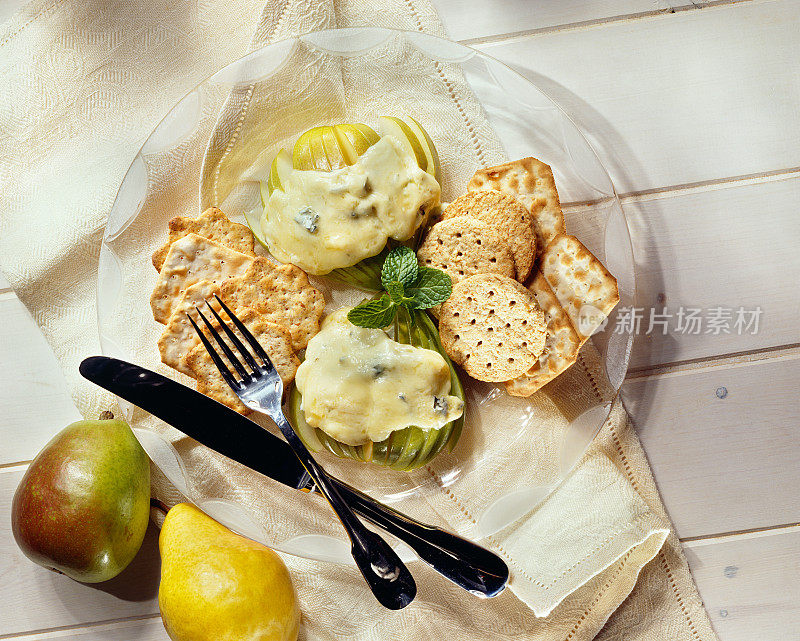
[(434, 165), (391, 126)]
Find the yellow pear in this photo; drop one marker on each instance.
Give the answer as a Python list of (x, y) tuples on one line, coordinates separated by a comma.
[(219, 586)]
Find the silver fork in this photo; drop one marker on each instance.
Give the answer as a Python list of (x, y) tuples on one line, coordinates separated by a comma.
[(261, 389)]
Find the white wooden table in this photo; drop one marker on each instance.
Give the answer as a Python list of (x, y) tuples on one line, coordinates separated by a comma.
[(694, 108)]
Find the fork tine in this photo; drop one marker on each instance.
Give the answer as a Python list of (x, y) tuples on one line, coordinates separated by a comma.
[(235, 340), (230, 379), (248, 336), (224, 346)]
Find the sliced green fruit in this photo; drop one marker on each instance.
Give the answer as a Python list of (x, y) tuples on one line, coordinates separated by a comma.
[(306, 433), (405, 449), (391, 126), (278, 172), (302, 158), (368, 132), (352, 141), (253, 220), (434, 165), (309, 151), (333, 150), (346, 146), (266, 188), (318, 153)]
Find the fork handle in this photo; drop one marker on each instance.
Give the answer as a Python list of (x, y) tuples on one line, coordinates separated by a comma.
[(386, 575), (468, 565)]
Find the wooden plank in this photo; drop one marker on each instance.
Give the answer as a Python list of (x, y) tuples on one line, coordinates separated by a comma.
[(749, 585), (723, 443), (35, 598), (730, 247), (150, 629), (34, 398), (677, 98), (470, 20)]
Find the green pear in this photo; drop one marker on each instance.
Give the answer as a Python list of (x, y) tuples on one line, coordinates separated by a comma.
[(83, 505)]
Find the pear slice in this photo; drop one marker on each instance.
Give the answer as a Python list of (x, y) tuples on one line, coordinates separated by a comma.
[(309, 151), (280, 168), (391, 126), (352, 141), (253, 220), (434, 166), (368, 132), (315, 140), (302, 157), (333, 149)]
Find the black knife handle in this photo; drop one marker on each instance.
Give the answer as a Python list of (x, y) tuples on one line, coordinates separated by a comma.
[(474, 568), (384, 572)]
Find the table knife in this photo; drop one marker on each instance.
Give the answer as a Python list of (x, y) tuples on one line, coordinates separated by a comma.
[(218, 427)]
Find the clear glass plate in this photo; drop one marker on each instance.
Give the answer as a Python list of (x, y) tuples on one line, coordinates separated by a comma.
[(513, 452)]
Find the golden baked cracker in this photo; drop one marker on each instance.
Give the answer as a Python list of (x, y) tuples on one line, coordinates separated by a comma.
[(492, 326), (275, 340), (507, 216), (280, 293), (560, 347), (465, 246), (179, 337), (211, 224), (531, 182), (190, 260), (583, 286)]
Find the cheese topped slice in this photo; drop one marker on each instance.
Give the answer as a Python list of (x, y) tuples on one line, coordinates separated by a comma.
[(321, 220), (359, 385)]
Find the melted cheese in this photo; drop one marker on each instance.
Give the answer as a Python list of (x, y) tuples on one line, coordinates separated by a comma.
[(358, 385), (322, 220)]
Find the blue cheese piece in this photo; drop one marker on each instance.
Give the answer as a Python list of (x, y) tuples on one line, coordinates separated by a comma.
[(322, 220), (307, 218), (359, 385)]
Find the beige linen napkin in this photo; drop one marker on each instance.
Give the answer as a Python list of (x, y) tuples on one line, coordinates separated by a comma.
[(84, 85)]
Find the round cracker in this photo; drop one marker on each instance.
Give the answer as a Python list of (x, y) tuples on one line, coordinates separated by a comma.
[(493, 327), (465, 246), (507, 216)]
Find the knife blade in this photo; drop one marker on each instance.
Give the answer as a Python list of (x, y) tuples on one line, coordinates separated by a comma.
[(211, 423), (218, 427)]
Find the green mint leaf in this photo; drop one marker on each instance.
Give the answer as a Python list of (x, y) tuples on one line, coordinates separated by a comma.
[(375, 314), (401, 266), (396, 293), (432, 287)]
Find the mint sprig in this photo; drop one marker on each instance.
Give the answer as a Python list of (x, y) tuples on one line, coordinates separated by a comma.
[(400, 266), (374, 313), (407, 284), (433, 286)]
